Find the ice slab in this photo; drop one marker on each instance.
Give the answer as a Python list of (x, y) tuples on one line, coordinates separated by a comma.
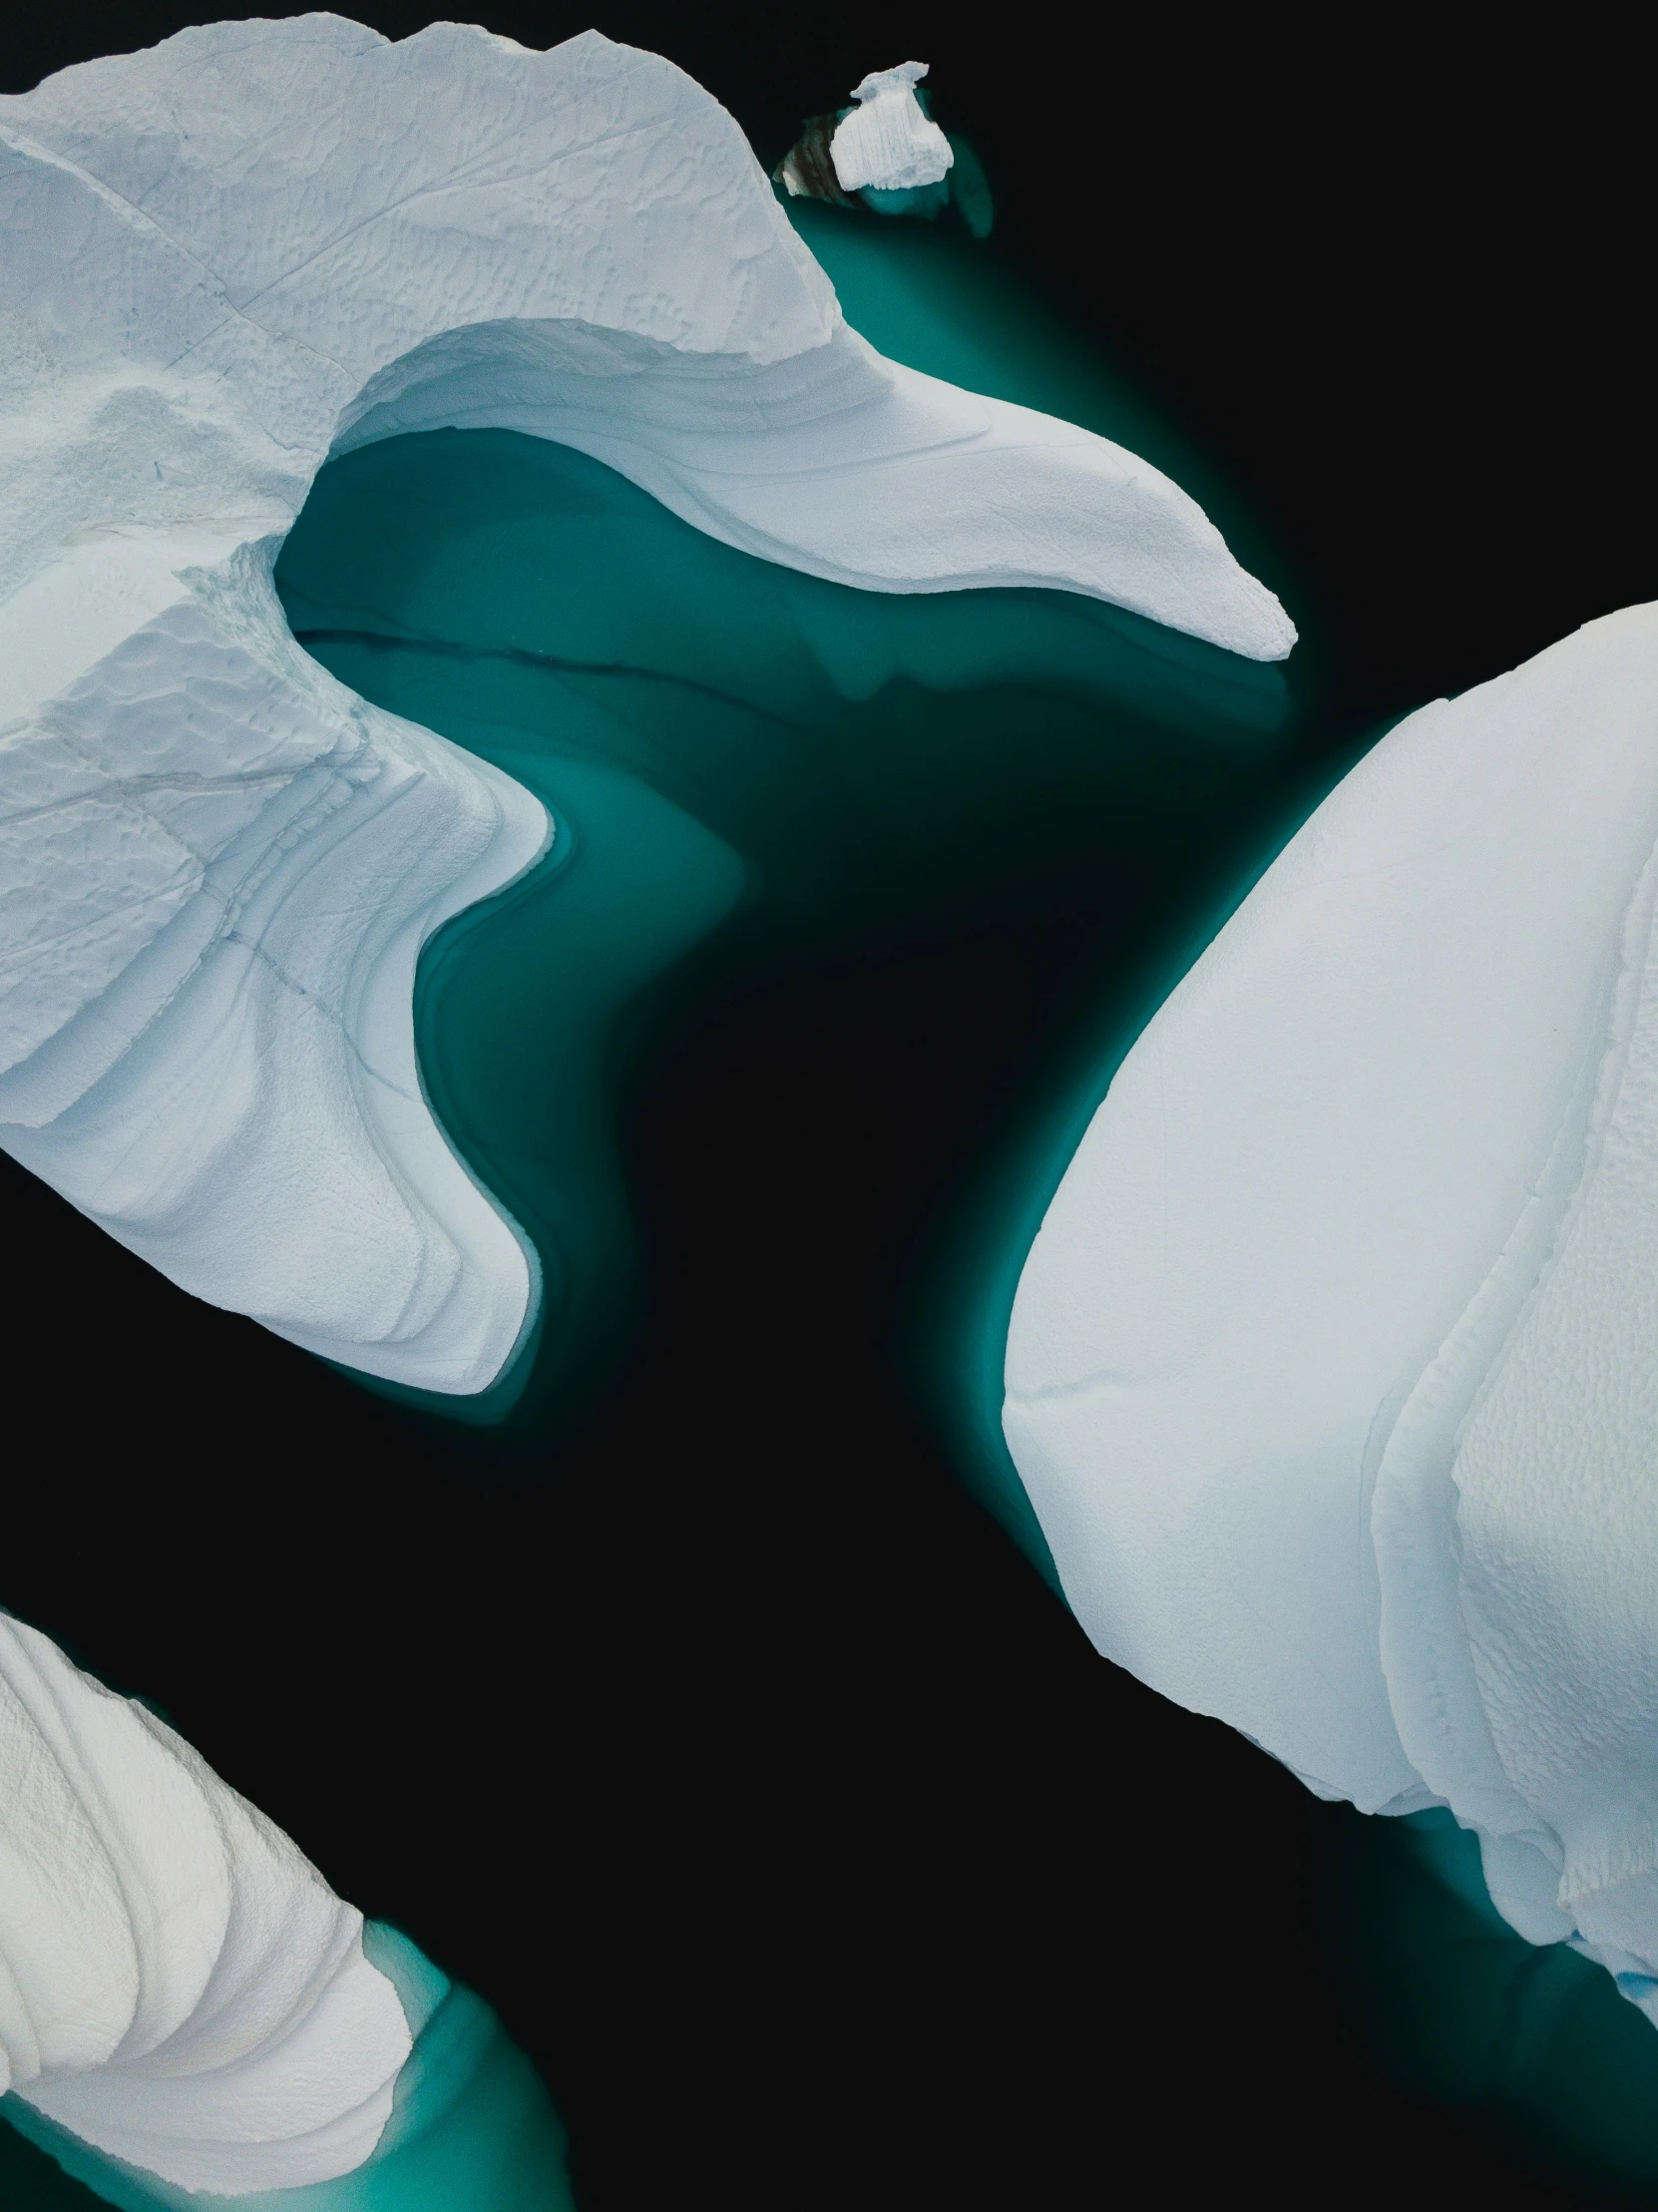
[(1333, 1372), (179, 1986), (224, 259)]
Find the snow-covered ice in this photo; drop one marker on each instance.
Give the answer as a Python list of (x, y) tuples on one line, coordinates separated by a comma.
[(179, 1986), (887, 141), (223, 260), (1333, 1372)]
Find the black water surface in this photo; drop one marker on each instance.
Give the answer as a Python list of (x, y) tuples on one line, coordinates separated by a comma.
[(803, 1839), (768, 768)]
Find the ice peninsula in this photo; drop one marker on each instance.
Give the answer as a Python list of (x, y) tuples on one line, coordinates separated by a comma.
[(179, 1986), (223, 259), (1333, 1372)]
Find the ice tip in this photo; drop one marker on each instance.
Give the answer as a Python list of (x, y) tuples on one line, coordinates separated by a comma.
[(902, 79)]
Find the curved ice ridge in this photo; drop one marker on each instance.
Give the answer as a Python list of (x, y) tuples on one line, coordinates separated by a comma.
[(179, 1986), (224, 259), (1333, 1372)]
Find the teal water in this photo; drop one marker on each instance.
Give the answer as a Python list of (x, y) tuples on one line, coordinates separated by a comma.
[(746, 768), (472, 2128), (729, 751), (742, 762), (1534, 2041), (750, 768)]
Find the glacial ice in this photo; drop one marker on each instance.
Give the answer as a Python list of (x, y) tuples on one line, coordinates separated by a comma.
[(179, 1986), (887, 141), (1332, 1372), (224, 258)]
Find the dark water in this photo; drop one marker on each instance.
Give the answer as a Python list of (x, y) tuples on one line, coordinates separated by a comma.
[(774, 795), (751, 767), (750, 771), (1532, 2042)]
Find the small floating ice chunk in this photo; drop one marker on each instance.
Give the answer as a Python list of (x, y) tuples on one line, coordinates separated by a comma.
[(1333, 1372), (887, 142), (179, 1986)]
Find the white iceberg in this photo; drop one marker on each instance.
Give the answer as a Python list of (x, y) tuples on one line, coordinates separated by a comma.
[(888, 142), (222, 261), (1333, 1372), (179, 1986)]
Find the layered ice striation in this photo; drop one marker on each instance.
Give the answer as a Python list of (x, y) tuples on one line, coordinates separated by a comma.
[(179, 1986), (262, 242), (188, 2017), (1333, 1372)]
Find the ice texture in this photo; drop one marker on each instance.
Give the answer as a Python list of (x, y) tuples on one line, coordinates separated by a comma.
[(888, 141), (1333, 1372), (179, 1986), (224, 259)]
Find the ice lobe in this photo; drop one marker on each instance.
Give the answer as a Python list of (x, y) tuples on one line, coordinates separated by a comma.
[(887, 141), (1333, 1372), (179, 1986), (224, 259)]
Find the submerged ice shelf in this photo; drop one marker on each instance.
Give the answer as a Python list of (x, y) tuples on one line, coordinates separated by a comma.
[(1331, 1372), (221, 863)]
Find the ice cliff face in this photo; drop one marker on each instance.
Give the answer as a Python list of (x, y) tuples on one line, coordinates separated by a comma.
[(178, 1985), (1333, 1373), (219, 260)]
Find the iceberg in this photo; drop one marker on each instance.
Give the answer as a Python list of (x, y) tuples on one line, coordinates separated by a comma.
[(179, 1986), (189, 2017), (888, 153), (260, 245), (887, 141), (1332, 1371), (726, 745)]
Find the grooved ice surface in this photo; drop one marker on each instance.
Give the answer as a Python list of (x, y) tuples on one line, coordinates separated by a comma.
[(179, 1986), (223, 258), (1333, 1372)]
